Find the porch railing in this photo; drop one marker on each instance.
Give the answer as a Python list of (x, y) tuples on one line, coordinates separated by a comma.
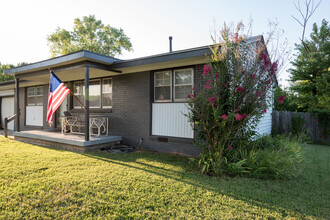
[(6, 121)]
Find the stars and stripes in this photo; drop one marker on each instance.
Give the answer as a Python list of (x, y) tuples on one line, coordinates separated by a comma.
[(57, 93)]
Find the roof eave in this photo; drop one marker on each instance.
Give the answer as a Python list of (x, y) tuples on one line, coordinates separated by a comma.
[(62, 60)]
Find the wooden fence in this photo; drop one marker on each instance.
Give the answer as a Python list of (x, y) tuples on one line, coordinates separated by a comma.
[(283, 124)]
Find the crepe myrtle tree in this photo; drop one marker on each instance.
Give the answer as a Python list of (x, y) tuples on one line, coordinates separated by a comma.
[(238, 77)]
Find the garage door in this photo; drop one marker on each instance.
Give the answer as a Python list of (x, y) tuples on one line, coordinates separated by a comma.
[(7, 110)]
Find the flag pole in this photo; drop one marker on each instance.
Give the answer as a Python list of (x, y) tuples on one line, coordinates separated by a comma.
[(50, 70), (78, 99)]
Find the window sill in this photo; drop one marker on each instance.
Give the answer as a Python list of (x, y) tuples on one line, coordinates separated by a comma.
[(93, 110), (170, 102)]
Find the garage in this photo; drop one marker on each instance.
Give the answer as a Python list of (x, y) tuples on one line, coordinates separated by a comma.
[(7, 110)]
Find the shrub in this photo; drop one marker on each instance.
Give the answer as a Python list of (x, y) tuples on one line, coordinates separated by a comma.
[(297, 123), (238, 77), (267, 158)]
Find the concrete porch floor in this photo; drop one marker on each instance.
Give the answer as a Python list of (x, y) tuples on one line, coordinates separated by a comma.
[(72, 142)]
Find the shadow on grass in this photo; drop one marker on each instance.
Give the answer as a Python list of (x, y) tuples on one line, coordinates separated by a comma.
[(282, 196), (304, 197)]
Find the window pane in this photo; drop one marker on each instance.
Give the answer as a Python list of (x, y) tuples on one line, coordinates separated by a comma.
[(40, 90), (181, 92), (30, 100), (163, 93), (77, 88), (107, 100), (163, 78), (183, 77), (107, 87), (39, 100), (95, 93), (30, 91), (76, 103)]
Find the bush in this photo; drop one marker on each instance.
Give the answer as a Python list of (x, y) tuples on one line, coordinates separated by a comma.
[(266, 158), (297, 123), (237, 82)]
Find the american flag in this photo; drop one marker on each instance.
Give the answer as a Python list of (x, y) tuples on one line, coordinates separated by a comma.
[(57, 93)]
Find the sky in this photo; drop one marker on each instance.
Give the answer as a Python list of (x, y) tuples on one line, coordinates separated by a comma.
[(25, 25)]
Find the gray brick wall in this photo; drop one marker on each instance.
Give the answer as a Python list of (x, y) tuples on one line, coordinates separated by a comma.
[(131, 114), (198, 78)]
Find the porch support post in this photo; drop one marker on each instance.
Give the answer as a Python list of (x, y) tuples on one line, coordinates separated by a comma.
[(17, 112), (87, 103)]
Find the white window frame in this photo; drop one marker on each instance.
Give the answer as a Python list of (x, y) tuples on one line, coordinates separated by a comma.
[(34, 95), (171, 79), (100, 81), (77, 94), (192, 83), (82, 83), (29, 96), (102, 92)]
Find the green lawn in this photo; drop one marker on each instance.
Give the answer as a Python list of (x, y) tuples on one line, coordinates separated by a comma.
[(37, 182)]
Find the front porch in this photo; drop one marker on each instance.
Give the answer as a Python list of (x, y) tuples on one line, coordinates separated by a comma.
[(69, 142)]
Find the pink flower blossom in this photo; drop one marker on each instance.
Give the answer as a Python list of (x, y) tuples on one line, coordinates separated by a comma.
[(264, 111), (244, 115), (237, 40), (238, 117), (236, 36), (240, 89), (230, 147), (281, 99), (264, 57), (253, 76), (188, 96), (212, 100), (216, 75), (273, 68), (226, 85), (224, 117), (208, 86), (258, 93), (206, 69)]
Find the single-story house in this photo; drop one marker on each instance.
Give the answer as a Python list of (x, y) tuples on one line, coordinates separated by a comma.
[(141, 98)]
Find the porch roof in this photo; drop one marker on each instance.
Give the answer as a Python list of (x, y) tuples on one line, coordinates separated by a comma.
[(76, 57), (112, 66)]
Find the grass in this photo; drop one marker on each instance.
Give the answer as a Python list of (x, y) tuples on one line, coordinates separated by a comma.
[(37, 182)]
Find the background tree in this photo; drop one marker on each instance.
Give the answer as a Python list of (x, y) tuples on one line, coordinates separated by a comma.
[(8, 66), (289, 102), (89, 34), (5, 77), (310, 75)]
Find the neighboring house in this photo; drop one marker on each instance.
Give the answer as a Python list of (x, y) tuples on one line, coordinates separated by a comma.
[(142, 98), (7, 102)]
